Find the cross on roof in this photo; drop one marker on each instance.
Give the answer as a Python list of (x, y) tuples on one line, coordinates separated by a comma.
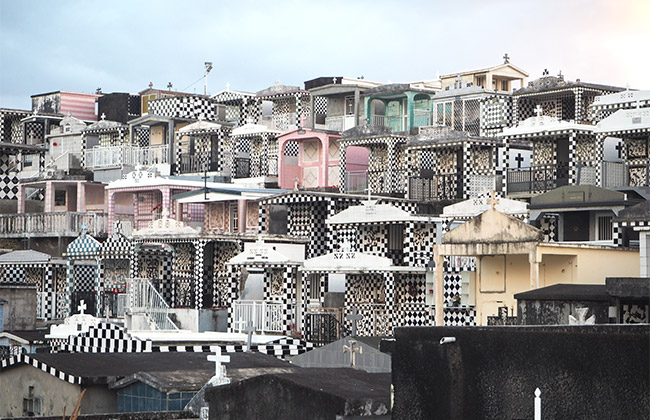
[(539, 111), (84, 228), (545, 72), (227, 86), (103, 116), (82, 307), (218, 358), (519, 159), (150, 85), (354, 317), (493, 201), (249, 330), (506, 59), (353, 350)]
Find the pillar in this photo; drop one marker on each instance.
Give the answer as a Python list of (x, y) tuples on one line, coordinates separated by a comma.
[(438, 288), (324, 161), (410, 113), (390, 171), (357, 102), (342, 167), (81, 197), (111, 211), (199, 248), (166, 199), (368, 111), (49, 198), (313, 114), (21, 199), (534, 258), (573, 167), (389, 280)]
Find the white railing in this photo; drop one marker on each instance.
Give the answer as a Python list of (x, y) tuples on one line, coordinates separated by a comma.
[(265, 316), (356, 181), (143, 298), (481, 185), (53, 224), (339, 122), (116, 156)]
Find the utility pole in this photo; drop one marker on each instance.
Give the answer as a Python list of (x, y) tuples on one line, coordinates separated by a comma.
[(208, 67)]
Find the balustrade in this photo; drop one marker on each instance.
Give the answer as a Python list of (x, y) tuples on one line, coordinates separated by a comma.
[(116, 156), (264, 316)]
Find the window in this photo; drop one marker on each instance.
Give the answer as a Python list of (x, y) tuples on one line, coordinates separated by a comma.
[(314, 286), (234, 218), (480, 81), (504, 85), (145, 102), (396, 237), (31, 405), (59, 198), (604, 228), (349, 105)]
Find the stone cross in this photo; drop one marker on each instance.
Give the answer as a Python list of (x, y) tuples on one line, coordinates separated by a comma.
[(539, 111), (354, 317), (219, 369), (150, 85), (249, 330), (353, 350), (519, 159), (545, 72), (619, 149), (103, 116), (506, 59), (169, 86), (493, 201), (82, 307)]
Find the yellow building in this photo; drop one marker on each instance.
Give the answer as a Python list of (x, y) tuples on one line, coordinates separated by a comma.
[(503, 78), (512, 258)]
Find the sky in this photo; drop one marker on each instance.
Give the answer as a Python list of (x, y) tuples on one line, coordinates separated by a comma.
[(121, 46)]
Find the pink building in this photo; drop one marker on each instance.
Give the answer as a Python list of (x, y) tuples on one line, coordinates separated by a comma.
[(312, 158), (79, 105)]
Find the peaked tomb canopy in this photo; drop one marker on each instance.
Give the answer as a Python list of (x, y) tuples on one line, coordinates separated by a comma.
[(493, 227), (261, 254), (28, 256), (200, 126), (85, 246), (346, 260), (476, 206), (371, 212), (165, 227), (625, 121)]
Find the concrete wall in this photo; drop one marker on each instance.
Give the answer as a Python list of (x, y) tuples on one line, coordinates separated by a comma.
[(501, 277), (53, 392), (20, 312), (583, 372), (644, 253)]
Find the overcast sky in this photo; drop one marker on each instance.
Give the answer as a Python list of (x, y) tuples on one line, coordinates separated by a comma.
[(121, 46)]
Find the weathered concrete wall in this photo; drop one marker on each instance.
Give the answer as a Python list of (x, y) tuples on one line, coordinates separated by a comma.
[(20, 312), (162, 415), (53, 392), (553, 312), (584, 372)]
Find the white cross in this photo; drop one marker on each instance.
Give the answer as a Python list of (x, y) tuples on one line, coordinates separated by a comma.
[(538, 111), (354, 317), (249, 330), (103, 116), (217, 358), (82, 307), (353, 350), (228, 86)]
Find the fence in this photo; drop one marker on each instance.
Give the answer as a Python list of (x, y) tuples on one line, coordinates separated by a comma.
[(264, 316), (144, 298), (53, 224)]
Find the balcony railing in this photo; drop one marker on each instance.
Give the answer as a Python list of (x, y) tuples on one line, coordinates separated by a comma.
[(340, 122), (324, 325), (356, 181), (540, 178), (264, 316), (118, 156), (437, 187), (52, 224), (422, 119), (395, 122)]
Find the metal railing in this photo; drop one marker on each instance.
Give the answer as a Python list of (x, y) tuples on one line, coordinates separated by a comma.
[(242, 167), (143, 298), (438, 187), (41, 305), (117, 156), (422, 118), (614, 174), (264, 316), (324, 325), (52, 224), (395, 122), (356, 181), (192, 164), (539, 178)]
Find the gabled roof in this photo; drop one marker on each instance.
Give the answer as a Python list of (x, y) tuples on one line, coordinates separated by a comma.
[(251, 129), (346, 260), (485, 70), (260, 254), (475, 206), (625, 120), (25, 257), (572, 196), (200, 125), (370, 212), (567, 292), (542, 125), (627, 97), (84, 246), (640, 212), (492, 226)]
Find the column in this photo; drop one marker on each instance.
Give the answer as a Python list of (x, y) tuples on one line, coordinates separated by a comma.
[(166, 197), (573, 168), (390, 171), (438, 288), (534, 259), (264, 159), (410, 113), (368, 111), (21, 199), (289, 298), (313, 114), (324, 161), (49, 289), (49, 197), (68, 288), (600, 153), (357, 95), (389, 280), (342, 167), (81, 197), (464, 170), (199, 248), (305, 292), (111, 211)]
